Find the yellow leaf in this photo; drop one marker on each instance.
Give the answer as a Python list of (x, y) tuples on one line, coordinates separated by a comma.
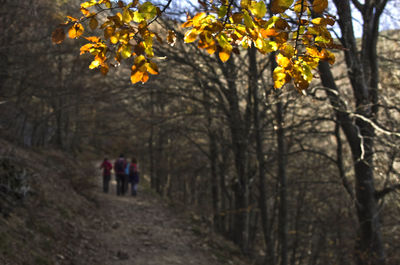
[(258, 8), (300, 4), (244, 3), (190, 36), (138, 17), (127, 15), (94, 64), (114, 39), (280, 6), (198, 18), (306, 73), (288, 50), (224, 55), (126, 51), (313, 52), (223, 42), (222, 11), (85, 5), (75, 31), (93, 23), (58, 35), (282, 60), (320, 5), (280, 77), (148, 10), (248, 21), (108, 4), (140, 61), (85, 12)]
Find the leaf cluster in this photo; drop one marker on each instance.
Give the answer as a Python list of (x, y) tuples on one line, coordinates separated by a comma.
[(221, 27)]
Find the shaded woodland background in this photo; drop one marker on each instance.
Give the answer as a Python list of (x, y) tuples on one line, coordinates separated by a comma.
[(292, 178)]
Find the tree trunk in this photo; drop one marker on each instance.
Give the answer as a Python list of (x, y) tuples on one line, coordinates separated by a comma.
[(263, 196)]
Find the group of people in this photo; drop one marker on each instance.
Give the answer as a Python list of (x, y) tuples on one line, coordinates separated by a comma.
[(125, 173)]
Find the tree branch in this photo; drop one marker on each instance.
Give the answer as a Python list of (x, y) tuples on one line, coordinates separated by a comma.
[(381, 193)]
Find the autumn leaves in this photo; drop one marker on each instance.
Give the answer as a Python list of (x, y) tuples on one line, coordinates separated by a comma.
[(223, 28)]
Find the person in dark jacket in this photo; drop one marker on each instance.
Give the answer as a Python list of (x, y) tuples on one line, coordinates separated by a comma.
[(134, 176), (106, 166), (119, 169)]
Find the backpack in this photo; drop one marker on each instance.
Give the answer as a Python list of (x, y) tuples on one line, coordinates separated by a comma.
[(120, 166), (127, 169)]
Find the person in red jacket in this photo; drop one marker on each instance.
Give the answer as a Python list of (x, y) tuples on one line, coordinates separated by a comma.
[(106, 166)]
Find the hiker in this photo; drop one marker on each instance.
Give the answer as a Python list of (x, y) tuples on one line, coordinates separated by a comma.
[(134, 176), (119, 169), (126, 177), (106, 166)]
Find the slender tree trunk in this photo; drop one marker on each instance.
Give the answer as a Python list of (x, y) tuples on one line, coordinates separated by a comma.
[(153, 178), (280, 133), (263, 197), (239, 129)]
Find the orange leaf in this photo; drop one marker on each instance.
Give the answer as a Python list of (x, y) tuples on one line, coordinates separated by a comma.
[(58, 35), (93, 39), (145, 77), (75, 31), (224, 55), (72, 19), (187, 24), (136, 76), (211, 49), (266, 33), (152, 68), (86, 48)]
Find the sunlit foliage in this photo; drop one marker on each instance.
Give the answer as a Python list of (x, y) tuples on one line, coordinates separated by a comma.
[(224, 27)]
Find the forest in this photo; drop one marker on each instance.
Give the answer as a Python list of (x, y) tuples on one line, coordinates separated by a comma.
[(290, 176)]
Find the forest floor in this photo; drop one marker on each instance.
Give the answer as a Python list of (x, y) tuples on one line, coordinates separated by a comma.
[(146, 230)]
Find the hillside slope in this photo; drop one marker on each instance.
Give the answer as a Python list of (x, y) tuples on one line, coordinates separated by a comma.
[(53, 212)]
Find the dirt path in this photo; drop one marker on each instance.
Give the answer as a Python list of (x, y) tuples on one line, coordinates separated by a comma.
[(143, 230)]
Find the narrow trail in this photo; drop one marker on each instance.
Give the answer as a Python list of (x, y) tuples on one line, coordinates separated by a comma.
[(142, 230)]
